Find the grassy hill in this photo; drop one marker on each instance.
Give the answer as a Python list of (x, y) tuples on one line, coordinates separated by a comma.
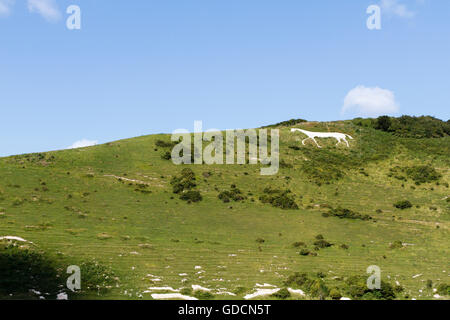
[(111, 209)]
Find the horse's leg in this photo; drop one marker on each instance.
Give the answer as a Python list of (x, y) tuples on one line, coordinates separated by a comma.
[(316, 142), (338, 141), (303, 142), (348, 146)]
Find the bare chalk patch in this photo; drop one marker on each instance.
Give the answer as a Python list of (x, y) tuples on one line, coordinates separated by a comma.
[(261, 293), (169, 296), (14, 238), (196, 287)]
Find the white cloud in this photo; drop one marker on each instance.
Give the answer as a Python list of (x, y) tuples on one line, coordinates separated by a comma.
[(396, 8), (46, 8), (5, 7), (83, 143), (370, 102)]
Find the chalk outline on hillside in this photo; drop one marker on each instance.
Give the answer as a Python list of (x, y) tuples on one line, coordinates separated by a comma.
[(340, 137)]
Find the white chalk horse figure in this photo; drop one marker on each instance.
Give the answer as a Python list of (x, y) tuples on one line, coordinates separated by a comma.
[(340, 137)]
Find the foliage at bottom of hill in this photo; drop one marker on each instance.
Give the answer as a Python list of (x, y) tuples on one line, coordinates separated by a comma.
[(97, 277), (313, 286), (282, 294), (279, 198), (29, 273), (355, 287), (203, 295), (23, 270)]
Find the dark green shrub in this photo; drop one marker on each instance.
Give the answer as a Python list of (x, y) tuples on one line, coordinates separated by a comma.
[(164, 144), (203, 295), (385, 293), (192, 196), (234, 194), (403, 204), (288, 123), (279, 199), (396, 245), (322, 244), (184, 182), (383, 123), (357, 288), (282, 294), (305, 252), (343, 213), (166, 155), (423, 174)]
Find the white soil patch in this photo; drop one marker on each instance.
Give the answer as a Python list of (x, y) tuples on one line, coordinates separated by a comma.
[(62, 296), (261, 293), (168, 296), (14, 238), (265, 285), (200, 288), (294, 291)]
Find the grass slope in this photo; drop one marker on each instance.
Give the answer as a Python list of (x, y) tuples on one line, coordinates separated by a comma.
[(113, 203)]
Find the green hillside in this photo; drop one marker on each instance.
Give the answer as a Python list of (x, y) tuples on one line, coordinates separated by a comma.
[(316, 226)]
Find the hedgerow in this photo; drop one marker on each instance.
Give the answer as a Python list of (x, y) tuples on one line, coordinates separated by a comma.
[(408, 127)]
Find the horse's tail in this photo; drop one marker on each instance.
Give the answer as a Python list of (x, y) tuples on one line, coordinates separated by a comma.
[(349, 136)]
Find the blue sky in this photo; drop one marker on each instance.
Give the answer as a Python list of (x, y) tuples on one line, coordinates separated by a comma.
[(149, 66)]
